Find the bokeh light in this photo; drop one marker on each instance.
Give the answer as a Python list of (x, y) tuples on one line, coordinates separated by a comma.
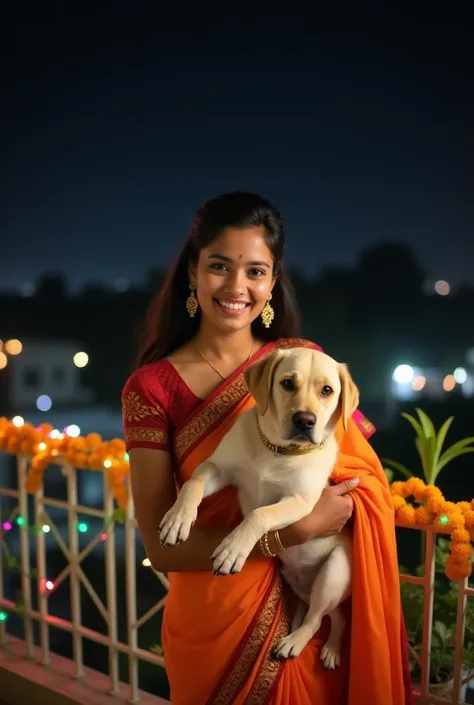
[(13, 347), (81, 359), (44, 402), (449, 383)]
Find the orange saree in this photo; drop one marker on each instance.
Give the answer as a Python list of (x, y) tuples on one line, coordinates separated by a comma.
[(218, 632)]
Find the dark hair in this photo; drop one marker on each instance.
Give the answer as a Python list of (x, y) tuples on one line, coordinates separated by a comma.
[(168, 325)]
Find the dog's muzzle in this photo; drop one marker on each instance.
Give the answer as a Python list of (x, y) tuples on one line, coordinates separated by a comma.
[(303, 424)]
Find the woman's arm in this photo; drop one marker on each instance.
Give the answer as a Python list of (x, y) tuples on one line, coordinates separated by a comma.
[(153, 490)]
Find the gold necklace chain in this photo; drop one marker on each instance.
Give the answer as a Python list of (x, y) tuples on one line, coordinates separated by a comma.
[(215, 368)]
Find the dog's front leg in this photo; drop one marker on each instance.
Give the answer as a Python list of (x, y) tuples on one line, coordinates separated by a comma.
[(177, 522), (233, 551)]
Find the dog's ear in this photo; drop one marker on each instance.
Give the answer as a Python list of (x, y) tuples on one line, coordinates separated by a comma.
[(349, 395), (259, 379)]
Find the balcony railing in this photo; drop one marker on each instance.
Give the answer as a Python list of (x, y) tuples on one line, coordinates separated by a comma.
[(37, 586)]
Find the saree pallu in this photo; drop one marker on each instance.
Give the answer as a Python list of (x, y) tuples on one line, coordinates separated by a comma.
[(218, 632)]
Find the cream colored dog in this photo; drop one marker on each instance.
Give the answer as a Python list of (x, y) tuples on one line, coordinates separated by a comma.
[(280, 455)]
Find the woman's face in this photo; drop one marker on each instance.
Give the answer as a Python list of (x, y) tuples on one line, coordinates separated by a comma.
[(234, 278)]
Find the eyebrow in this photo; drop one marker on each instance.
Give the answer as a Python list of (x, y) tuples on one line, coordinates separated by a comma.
[(254, 263)]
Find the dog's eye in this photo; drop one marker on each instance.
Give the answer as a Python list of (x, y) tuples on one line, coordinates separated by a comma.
[(326, 391), (288, 384)]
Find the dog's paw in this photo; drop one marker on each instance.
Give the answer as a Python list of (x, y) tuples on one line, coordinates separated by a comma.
[(330, 657), (230, 556), (176, 524), (291, 646)]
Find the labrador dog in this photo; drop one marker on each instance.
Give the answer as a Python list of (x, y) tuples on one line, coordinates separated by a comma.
[(280, 455)]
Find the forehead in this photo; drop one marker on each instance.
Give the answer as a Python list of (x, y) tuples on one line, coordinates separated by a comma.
[(241, 243), (308, 363)]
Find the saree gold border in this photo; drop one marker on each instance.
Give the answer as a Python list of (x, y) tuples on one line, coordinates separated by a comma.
[(270, 668), (222, 402), (242, 667)]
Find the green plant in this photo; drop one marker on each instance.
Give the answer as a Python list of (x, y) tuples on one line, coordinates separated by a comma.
[(429, 444), (444, 622)]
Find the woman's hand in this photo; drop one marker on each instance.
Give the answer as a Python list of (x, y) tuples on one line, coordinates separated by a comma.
[(329, 515)]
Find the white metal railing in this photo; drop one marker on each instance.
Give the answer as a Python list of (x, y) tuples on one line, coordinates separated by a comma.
[(78, 579), (74, 557)]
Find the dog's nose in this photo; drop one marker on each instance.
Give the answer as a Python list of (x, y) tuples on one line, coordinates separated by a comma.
[(304, 420)]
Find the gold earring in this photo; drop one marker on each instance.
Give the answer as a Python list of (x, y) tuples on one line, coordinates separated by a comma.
[(268, 313), (192, 302)]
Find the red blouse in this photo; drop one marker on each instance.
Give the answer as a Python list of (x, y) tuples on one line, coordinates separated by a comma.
[(155, 400)]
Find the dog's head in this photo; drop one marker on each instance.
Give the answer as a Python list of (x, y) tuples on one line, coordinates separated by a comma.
[(302, 394)]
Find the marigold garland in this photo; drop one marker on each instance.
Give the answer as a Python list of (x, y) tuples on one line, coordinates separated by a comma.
[(456, 519), (85, 452), (93, 453)]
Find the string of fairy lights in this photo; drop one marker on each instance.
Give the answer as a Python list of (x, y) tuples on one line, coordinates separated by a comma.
[(12, 563)]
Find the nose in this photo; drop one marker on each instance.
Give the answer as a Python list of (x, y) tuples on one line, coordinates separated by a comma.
[(304, 420), (236, 283)]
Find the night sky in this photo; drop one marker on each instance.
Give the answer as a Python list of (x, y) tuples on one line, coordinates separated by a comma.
[(117, 127)]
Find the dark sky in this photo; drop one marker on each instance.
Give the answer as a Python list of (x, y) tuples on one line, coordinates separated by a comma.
[(358, 127)]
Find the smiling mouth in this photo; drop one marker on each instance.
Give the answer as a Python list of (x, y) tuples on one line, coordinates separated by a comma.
[(233, 308)]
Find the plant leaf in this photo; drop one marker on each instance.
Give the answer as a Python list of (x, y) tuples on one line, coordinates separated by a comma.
[(426, 423), (447, 457), (394, 465), (388, 475), (416, 425), (441, 437)]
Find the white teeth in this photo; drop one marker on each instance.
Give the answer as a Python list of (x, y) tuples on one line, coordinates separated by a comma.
[(232, 306)]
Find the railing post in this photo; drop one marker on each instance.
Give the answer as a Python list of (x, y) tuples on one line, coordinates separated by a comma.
[(3, 631), (41, 579), (459, 640), (111, 586), (22, 467), (73, 576), (428, 589), (131, 577)]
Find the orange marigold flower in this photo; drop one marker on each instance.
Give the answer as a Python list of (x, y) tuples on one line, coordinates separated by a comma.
[(398, 502), (464, 506), (457, 571), (93, 440), (406, 514), (34, 480), (397, 488), (424, 515), (460, 536), (26, 447), (79, 460), (461, 551), (413, 486), (469, 519), (456, 520)]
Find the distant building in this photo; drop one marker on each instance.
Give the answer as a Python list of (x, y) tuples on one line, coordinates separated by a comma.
[(41, 374)]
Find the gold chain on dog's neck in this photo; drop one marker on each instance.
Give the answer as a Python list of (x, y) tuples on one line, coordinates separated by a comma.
[(287, 450)]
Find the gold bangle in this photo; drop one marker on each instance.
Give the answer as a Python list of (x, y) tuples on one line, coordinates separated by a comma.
[(264, 547), (278, 542)]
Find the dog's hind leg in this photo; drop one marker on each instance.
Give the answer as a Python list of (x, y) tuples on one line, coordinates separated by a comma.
[(331, 586)]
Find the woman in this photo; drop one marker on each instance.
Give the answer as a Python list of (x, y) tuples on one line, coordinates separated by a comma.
[(226, 303)]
